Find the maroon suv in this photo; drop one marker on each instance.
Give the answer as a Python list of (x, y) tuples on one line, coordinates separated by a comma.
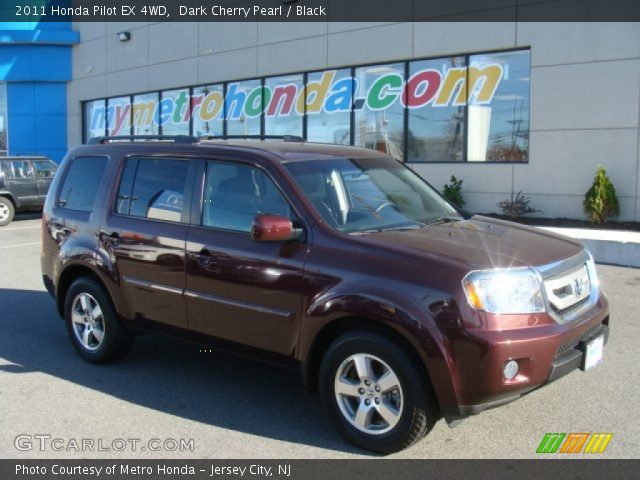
[(337, 261)]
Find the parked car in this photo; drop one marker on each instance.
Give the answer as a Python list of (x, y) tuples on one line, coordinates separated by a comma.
[(24, 183), (337, 261)]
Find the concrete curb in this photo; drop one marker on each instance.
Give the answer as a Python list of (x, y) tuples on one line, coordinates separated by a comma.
[(614, 247)]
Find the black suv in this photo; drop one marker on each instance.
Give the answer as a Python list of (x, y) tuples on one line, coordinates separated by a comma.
[(24, 183)]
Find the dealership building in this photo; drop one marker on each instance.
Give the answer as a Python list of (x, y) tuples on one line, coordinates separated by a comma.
[(506, 107)]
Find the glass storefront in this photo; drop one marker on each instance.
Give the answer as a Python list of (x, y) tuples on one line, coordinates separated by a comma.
[(207, 110), (3, 119), (463, 108)]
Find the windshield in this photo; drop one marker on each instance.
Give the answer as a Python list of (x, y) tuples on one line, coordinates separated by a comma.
[(356, 195)]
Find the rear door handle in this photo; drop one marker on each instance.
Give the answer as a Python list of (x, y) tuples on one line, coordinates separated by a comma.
[(64, 229), (207, 260)]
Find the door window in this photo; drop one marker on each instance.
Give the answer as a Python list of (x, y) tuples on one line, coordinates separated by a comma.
[(153, 188), (234, 194), (45, 168), (18, 169)]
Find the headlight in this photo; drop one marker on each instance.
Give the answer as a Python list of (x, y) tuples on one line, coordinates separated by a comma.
[(504, 291), (593, 275)]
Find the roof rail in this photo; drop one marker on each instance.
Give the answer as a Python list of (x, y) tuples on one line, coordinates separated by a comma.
[(116, 138), (285, 138)]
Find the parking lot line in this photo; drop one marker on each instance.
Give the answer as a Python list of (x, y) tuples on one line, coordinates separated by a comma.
[(20, 245), (19, 228)]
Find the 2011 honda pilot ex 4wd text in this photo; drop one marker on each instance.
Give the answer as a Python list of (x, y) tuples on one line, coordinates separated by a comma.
[(338, 261)]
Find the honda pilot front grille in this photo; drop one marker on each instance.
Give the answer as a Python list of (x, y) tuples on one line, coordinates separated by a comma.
[(568, 287)]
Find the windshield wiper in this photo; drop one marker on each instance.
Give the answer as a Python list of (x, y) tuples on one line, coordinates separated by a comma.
[(415, 226), (445, 219)]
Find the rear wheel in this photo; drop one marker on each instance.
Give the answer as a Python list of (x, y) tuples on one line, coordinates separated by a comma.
[(7, 211), (374, 393), (93, 325)]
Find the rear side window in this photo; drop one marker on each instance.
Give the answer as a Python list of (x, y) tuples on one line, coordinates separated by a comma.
[(153, 188), (81, 183)]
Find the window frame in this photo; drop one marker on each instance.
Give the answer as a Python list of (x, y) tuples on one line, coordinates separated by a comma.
[(352, 111), (185, 215)]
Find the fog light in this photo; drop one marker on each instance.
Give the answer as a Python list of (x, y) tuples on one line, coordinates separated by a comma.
[(510, 370)]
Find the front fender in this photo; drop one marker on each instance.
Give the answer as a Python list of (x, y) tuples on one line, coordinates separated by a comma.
[(406, 316), (10, 196)]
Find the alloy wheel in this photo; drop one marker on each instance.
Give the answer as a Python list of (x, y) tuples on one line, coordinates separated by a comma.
[(87, 321), (4, 212), (368, 393)]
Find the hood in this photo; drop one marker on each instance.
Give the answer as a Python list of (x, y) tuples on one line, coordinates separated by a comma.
[(482, 242)]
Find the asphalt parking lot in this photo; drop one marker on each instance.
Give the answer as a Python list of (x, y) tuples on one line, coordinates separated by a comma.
[(237, 408)]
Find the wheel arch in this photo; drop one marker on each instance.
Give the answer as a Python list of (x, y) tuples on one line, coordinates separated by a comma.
[(11, 197), (68, 276), (339, 326)]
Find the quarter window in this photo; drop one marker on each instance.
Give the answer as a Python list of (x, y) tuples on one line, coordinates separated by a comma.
[(81, 183), (153, 188), (234, 194)]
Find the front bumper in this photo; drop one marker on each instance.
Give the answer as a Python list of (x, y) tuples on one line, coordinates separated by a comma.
[(546, 359)]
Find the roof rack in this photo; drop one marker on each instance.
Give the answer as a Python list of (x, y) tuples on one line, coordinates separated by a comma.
[(168, 138), (285, 138)]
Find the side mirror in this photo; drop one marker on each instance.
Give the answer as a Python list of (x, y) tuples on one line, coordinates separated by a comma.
[(272, 228)]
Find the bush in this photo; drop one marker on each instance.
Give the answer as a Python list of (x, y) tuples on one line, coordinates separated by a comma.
[(516, 207), (601, 201), (452, 191)]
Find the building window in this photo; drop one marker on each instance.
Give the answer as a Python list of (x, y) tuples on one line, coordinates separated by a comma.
[(436, 119), (174, 112), (284, 110), (119, 116), (244, 104), (95, 119), (464, 108), (208, 110), (3, 119), (498, 103), (329, 122), (145, 114), (379, 114)]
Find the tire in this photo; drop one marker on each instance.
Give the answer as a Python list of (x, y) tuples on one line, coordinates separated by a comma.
[(7, 211), (108, 339), (415, 412)]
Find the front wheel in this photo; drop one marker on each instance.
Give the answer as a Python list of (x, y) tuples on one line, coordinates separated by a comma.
[(374, 393)]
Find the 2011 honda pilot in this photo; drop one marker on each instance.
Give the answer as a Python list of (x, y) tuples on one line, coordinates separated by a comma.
[(337, 261)]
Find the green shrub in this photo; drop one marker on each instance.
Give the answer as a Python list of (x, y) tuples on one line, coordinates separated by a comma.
[(601, 201), (516, 207), (452, 191)]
